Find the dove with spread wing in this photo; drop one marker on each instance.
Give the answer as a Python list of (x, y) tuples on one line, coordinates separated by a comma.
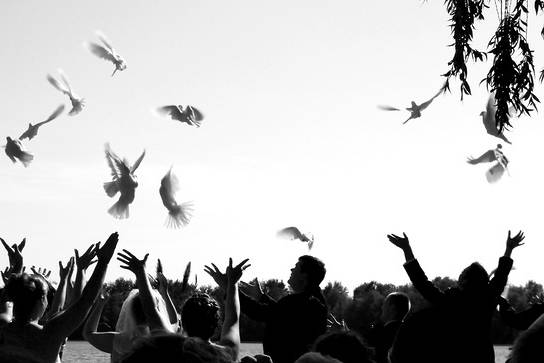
[(189, 115), (415, 109), (33, 129), (107, 52), (488, 119), (293, 233), (179, 215), (64, 86), (497, 169), (123, 182), (15, 151)]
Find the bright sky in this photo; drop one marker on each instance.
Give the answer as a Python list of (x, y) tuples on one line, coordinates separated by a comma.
[(291, 136)]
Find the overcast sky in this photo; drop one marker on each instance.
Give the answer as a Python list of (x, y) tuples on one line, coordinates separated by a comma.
[(292, 136)]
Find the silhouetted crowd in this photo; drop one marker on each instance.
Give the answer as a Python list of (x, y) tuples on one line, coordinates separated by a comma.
[(37, 316)]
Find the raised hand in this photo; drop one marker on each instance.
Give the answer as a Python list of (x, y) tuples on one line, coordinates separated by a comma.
[(86, 259), (5, 275), (132, 263), (66, 271), (105, 253), (334, 325), (219, 277), (254, 290), (400, 242), (15, 255), (43, 272), (235, 273), (513, 242)]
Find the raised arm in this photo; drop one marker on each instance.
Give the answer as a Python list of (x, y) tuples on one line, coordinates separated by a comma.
[(230, 332), (154, 319), (57, 305), (426, 288), (500, 278), (15, 255), (64, 324), (100, 340), (82, 262), (163, 291)]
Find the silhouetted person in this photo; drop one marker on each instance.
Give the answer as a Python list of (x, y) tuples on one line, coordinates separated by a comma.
[(521, 320), (395, 307), (529, 347), (346, 346), (294, 322), (466, 310)]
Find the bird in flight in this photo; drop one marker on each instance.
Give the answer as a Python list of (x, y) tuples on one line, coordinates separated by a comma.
[(179, 215), (107, 52), (497, 169), (33, 129), (64, 87), (123, 182), (488, 119), (293, 233), (415, 109), (15, 151), (190, 115)]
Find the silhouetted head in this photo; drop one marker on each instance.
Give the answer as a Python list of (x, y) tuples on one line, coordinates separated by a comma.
[(395, 306), (499, 146), (347, 347), (474, 278), (29, 296), (200, 316), (307, 274)]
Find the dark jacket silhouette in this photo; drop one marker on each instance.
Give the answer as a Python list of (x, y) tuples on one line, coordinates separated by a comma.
[(459, 322), (381, 338), (292, 323)]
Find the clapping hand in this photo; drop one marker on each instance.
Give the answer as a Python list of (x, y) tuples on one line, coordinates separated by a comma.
[(15, 255)]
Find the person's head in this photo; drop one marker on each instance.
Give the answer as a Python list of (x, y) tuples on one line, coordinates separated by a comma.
[(307, 274), (473, 279), (347, 347), (200, 316), (29, 296), (395, 306)]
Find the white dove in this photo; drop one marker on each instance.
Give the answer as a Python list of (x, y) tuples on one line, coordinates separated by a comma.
[(14, 150), (107, 52), (488, 119), (64, 87), (178, 214), (124, 181), (293, 233), (497, 170), (190, 115), (415, 109), (33, 129)]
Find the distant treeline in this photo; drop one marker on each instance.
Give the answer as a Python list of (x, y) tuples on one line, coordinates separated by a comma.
[(359, 310)]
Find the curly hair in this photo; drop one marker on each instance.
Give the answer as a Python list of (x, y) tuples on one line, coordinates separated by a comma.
[(25, 291), (200, 316)]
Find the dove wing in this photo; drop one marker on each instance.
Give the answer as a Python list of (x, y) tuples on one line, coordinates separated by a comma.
[(388, 108), (137, 163), (173, 111), (486, 157), (114, 162), (26, 133), (104, 40), (101, 52), (198, 116), (57, 84), (290, 232), (64, 79)]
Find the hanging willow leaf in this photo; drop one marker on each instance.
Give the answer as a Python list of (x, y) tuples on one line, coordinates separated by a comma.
[(512, 82), (463, 13)]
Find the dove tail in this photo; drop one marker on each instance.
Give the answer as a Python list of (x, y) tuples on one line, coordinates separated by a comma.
[(179, 215), (119, 210), (494, 173), (26, 158), (111, 188)]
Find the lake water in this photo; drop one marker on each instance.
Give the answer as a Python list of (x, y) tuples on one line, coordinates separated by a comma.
[(81, 351)]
